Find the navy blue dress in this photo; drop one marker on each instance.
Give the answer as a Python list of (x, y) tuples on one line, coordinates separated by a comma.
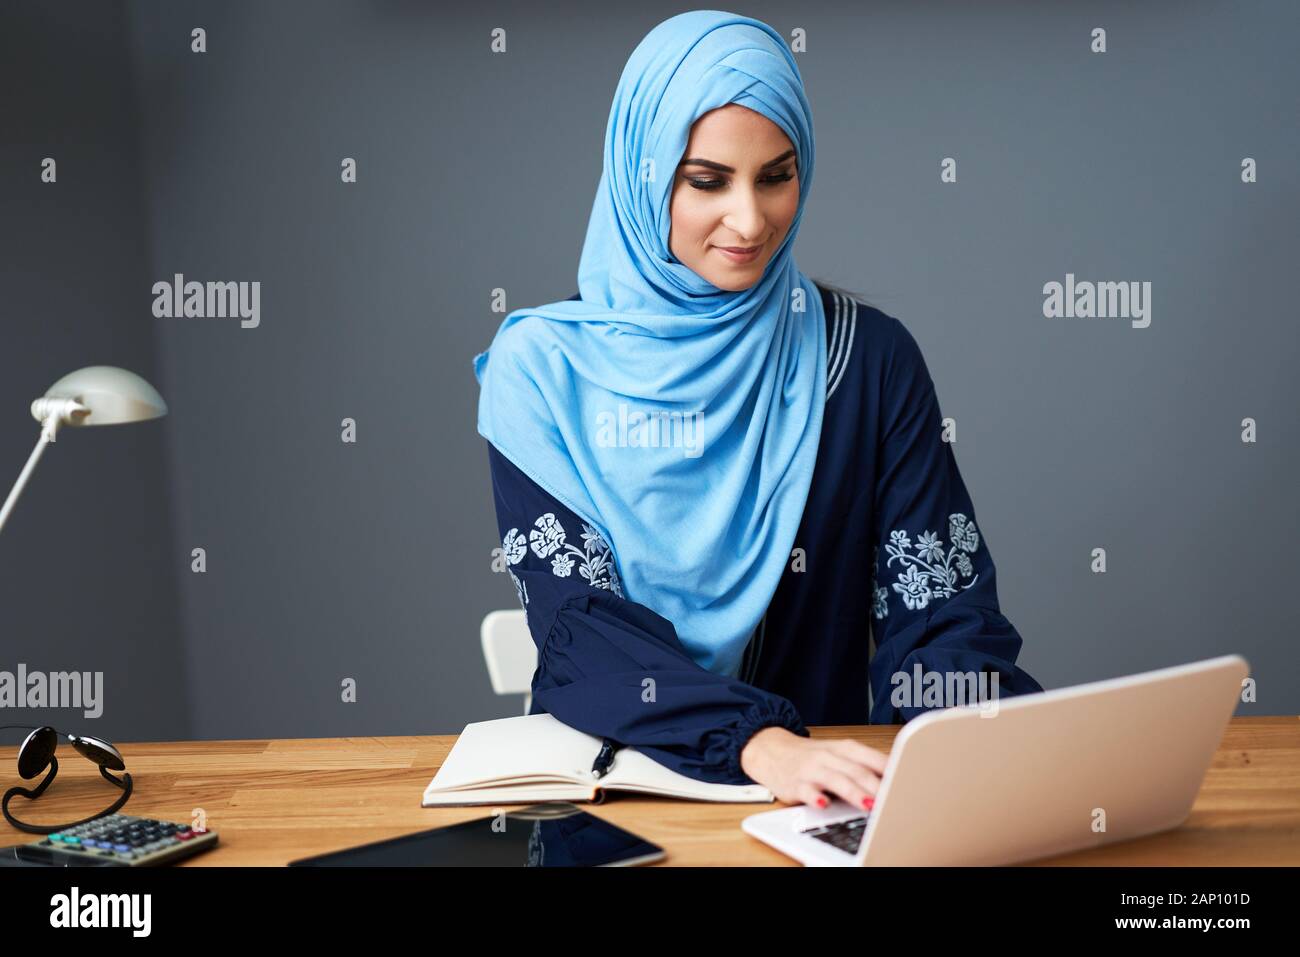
[(889, 571)]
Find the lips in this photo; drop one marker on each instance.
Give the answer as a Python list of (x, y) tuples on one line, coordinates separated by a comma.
[(741, 255)]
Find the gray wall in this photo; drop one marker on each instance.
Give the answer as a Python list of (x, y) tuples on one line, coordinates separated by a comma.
[(372, 561), (88, 570)]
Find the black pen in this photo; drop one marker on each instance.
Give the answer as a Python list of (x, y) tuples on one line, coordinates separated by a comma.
[(605, 758)]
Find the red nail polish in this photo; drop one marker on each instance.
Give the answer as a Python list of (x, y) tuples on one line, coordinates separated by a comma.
[(821, 802), (868, 802)]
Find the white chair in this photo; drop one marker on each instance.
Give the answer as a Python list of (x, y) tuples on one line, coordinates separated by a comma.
[(510, 653)]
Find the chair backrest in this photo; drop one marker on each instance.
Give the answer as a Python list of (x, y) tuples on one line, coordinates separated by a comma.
[(509, 652)]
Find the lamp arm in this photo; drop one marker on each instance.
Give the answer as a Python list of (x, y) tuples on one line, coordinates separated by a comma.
[(22, 478), (51, 413)]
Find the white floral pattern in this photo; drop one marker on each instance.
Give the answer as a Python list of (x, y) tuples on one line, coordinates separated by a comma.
[(548, 539), (547, 536), (930, 573), (514, 546), (879, 606), (521, 589)]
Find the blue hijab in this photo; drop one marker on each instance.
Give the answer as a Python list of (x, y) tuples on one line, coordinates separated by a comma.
[(679, 420)]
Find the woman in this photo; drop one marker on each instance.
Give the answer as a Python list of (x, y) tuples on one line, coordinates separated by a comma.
[(712, 475)]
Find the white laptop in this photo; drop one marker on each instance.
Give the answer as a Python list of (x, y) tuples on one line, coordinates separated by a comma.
[(1030, 776)]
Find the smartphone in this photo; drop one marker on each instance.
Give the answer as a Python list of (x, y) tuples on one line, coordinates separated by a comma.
[(558, 834)]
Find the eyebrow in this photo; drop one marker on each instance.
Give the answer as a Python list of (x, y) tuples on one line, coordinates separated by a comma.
[(727, 169)]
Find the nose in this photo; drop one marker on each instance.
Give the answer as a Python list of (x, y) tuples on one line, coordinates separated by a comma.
[(745, 218)]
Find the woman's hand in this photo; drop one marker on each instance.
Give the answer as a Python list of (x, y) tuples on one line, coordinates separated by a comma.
[(795, 768)]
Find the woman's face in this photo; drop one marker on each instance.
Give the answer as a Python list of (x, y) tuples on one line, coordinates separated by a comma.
[(736, 187)]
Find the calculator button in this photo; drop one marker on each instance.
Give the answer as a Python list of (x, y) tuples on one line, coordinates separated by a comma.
[(184, 835)]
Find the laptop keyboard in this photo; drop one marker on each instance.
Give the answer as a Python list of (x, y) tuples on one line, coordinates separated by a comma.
[(845, 835)]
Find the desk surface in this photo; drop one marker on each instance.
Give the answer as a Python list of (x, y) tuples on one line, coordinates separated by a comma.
[(273, 801)]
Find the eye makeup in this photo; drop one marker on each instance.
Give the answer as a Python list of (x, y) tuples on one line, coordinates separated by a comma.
[(712, 184)]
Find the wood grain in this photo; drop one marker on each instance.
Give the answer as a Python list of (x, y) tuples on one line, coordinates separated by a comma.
[(273, 801)]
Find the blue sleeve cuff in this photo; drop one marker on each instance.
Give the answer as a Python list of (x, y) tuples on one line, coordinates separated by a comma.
[(771, 711)]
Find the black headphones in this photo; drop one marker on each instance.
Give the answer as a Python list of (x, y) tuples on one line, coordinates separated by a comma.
[(36, 753)]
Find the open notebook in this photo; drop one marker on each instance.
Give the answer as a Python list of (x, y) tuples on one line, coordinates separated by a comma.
[(535, 757)]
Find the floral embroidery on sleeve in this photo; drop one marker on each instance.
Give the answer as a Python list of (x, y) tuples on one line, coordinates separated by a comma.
[(521, 589), (931, 572), (879, 608), (598, 568), (514, 549), (514, 546), (547, 536), (548, 539)]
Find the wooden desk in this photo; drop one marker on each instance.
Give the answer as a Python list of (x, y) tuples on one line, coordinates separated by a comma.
[(275, 801)]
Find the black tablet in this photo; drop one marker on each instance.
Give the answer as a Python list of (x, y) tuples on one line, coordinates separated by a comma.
[(540, 835)]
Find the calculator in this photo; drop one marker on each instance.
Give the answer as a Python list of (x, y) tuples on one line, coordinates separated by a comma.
[(117, 840)]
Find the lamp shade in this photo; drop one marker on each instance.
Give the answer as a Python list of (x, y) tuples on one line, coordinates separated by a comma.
[(112, 395)]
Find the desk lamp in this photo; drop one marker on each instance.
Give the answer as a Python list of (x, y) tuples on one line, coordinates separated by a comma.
[(95, 395)]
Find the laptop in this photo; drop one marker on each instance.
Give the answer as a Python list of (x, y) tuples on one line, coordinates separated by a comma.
[(999, 782)]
